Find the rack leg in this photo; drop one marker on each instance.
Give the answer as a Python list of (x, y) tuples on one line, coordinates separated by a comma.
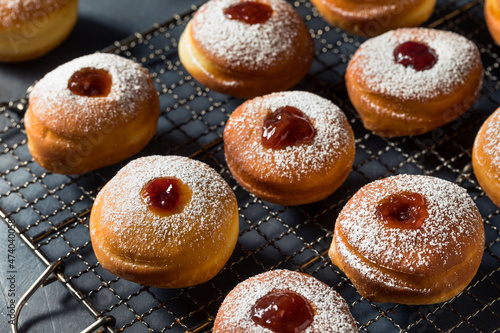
[(37, 284), (98, 323)]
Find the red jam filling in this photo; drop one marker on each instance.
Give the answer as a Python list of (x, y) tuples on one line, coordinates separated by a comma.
[(166, 195), (403, 210), (287, 126), (283, 312), (250, 12), (90, 82), (415, 55)]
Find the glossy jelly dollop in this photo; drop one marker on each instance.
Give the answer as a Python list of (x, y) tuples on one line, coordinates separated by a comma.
[(250, 12), (287, 126), (283, 312), (90, 82), (166, 195), (416, 55), (403, 210)]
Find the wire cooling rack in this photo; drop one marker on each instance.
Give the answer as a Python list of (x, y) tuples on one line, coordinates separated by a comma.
[(49, 212)]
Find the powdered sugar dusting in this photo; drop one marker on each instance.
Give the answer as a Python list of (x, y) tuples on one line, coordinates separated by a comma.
[(293, 162), (492, 139), (374, 62), (126, 213), (332, 313), (15, 12), (55, 103), (13, 3), (255, 46), (452, 222)]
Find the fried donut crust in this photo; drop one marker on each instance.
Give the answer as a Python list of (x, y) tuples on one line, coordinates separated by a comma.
[(426, 265), (492, 17), (485, 161), (371, 18), (400, 101), (295, 175), (167, 251), (71, 134), (31, 29), (331, 312), (253, 72)]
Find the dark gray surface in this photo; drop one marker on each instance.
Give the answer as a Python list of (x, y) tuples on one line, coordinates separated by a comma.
[(100, 23)]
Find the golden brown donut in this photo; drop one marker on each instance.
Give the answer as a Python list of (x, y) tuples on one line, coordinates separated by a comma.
[(247, 59), (409, 239), (111, 116), (316, 309), (374, 17), (300, 171), (438, 78), (492, 16), (31, 28), (486, 157), (165, 221)]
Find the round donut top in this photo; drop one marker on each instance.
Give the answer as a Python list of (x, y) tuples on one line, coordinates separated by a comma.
[(54, 104), (333, 135), (374, 64), (255, 46), (13, 13), (331, 311), (446, 236), (142, 233), (491, 139)]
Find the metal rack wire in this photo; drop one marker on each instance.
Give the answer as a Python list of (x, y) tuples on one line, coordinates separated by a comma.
[(50, 212)]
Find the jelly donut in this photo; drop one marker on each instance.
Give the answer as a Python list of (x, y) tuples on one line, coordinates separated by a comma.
[(486, 157), (290, 147), (31, 28), (409, 239), (247, 48), (283, 301), (91, 112), (374, 17), (412, 80), (165, 221)]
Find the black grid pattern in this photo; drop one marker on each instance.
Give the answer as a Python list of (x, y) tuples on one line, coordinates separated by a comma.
[(51, 211)]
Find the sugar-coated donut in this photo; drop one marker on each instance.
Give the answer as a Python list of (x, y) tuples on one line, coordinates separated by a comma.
[(91, 112), (374, 17), (412, 80), (165, 221), (492, 16), (409, 239), (247, 48), (31, 28), (289, 158), (486, 157), (296, 302)]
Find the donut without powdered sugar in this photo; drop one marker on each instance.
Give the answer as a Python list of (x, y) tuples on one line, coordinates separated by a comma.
[(409, 239), (395, 100), (298, 173), (486, 157), (374, 17), (331, 313), (136, 239), (32, 28), (70, 133), (246, 59)]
